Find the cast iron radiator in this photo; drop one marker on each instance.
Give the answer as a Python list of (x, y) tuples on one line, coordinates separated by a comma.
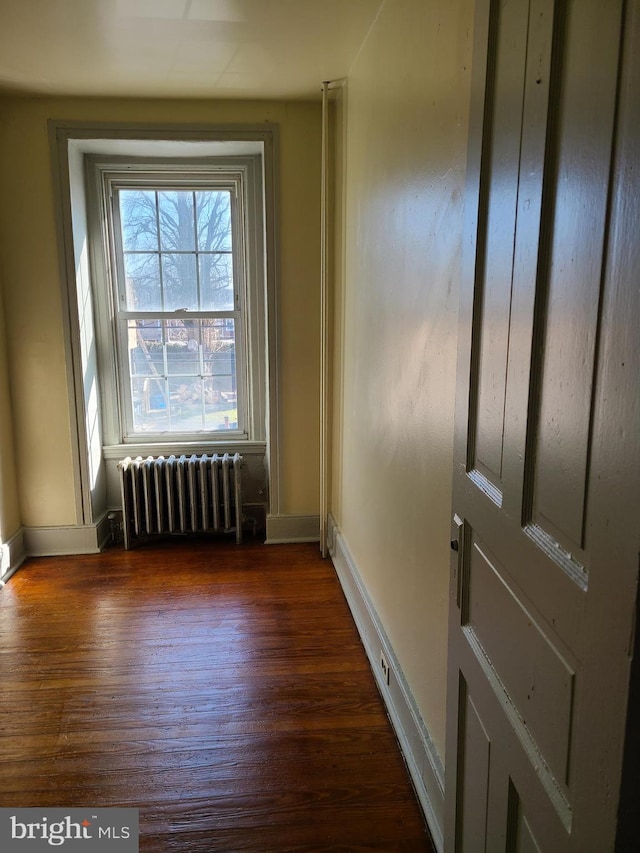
[(181, 494)]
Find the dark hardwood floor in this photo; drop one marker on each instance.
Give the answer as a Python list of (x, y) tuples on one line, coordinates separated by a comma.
[(222, 690)]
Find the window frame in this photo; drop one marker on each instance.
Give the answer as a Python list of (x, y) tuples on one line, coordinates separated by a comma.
[(104, 178), (167, 180)]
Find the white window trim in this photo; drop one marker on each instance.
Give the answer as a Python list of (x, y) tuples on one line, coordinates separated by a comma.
[(244, 176), (93, 459)]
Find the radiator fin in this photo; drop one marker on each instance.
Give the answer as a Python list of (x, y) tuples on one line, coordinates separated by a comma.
[(180, 494)]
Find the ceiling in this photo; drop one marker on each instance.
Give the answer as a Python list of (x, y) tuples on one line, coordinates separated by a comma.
[(180, 48)]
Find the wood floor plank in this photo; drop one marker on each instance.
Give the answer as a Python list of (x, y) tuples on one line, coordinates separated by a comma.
[(222, 690)]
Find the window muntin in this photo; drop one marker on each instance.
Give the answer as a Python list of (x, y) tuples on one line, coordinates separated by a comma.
[(179, 305), (177, 249), (183, 375)]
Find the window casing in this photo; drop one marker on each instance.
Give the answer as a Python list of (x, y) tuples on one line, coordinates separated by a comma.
[(182, 285)]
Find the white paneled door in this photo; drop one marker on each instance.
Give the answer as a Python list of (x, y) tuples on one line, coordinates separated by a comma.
[(545, 536)]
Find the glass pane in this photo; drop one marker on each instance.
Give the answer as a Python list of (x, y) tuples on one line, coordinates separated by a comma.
[(183, 375), (185, 397), (149, 397), (175, 209), (183, 347), (213, 209), (138, 220), (224, 414), (180, 282), (219, 361), (142, 280), (216, 282), (146, 349)]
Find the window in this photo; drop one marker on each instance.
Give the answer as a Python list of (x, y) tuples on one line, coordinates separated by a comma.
[(175, 397), (182, 287), (178, 305)]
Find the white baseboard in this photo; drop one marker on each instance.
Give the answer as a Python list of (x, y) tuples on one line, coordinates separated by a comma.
[(12, 555), (423, 762), (284, 529), (64, 540)]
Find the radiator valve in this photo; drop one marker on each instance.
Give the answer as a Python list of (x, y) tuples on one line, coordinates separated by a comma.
[(115, 527)]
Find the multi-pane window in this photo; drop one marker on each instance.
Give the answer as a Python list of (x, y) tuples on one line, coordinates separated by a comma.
[(179, 304)]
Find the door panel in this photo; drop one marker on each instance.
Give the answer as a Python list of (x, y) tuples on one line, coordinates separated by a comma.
[(570, 273), (514, 763), (520, 838), (502, 165), (536, 678), (474, 776), (528, 577)]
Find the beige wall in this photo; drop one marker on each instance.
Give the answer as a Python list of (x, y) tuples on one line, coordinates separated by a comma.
[(9, 515), (33, 304), (406, 124), (404, 119)]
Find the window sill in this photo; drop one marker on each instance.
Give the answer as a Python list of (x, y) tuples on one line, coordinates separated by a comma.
[(177, 448)]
